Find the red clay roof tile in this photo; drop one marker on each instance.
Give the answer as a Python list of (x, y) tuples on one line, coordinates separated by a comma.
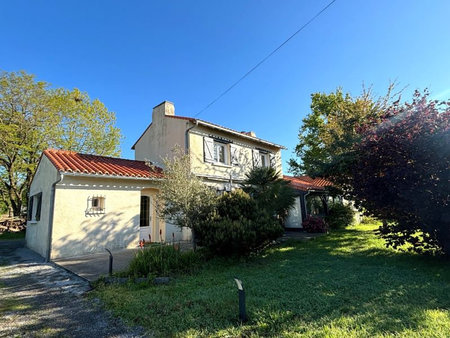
[(70, 161), (306, 183)]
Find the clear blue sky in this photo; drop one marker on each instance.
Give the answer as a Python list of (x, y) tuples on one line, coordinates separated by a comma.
[(134, 54)]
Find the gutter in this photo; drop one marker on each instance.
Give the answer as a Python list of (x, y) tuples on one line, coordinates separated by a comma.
[(69, 173), (50, 218)]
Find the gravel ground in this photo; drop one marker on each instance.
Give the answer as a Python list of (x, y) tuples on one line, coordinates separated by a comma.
[(39, 299)]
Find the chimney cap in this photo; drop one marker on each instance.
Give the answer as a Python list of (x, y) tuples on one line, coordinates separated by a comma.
[(164, 102)]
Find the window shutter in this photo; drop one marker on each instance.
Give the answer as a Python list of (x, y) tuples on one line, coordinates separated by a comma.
[(273, 160), (208, 149), (256, 159), (234, 151), (37, 215)]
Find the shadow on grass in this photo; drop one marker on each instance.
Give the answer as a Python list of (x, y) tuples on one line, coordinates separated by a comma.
[(346, 283)]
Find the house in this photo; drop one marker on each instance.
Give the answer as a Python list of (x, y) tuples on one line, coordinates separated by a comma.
[(81, 204), (311, 199), (221, 156)]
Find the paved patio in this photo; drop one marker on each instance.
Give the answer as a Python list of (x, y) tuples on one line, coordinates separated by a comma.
[(92, 267)]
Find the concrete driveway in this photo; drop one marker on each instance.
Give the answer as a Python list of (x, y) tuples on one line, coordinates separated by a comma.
[(92, 267), (42, 299)]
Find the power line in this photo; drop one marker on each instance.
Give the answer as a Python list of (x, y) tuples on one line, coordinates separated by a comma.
[(264, 59)]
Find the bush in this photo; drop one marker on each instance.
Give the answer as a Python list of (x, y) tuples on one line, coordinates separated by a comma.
[(163, 260), (314, 224), (270, 191), (340, 216), (238, 227)]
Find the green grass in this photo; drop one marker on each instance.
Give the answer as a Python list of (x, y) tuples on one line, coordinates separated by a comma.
[(346, 284), (7, 236)]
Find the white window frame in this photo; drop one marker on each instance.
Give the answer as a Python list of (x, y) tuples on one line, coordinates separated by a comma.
[(226, 153), (264, 160)]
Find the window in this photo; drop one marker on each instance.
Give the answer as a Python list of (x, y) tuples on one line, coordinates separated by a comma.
[(34, 207), (144, 220), (97, 204), (216, 151), (263, 158), (220, 154)]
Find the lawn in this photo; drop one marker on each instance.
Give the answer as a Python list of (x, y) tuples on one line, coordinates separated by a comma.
[(6, 236), (346, 284)]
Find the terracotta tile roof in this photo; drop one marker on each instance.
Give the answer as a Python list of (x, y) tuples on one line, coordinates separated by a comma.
[(73, 162), (306, 183)]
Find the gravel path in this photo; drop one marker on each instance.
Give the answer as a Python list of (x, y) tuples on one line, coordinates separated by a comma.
[(39, 299)]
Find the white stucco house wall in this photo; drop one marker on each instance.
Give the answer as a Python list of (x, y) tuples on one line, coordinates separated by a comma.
[(81, 204)]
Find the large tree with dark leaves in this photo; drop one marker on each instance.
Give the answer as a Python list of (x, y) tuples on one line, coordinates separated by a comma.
[(401, 173)]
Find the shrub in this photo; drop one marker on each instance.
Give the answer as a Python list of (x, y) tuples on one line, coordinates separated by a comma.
[(315, 224), (238, 227), (339, 216), (162, 260), (270, 191)]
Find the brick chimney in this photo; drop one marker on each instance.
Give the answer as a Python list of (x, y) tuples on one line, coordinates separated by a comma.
[(162, 109)]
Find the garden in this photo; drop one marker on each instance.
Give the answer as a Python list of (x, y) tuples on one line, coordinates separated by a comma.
[(346, 283)]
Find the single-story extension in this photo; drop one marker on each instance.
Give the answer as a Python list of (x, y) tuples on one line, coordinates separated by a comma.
[(311, 199), (97, 202)]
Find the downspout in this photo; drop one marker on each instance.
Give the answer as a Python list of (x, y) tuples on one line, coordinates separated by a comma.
[(187, 145), (187, 148), (50, 218)]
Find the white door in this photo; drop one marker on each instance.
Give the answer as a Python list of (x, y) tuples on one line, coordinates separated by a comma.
[(294, 219), (146, 219)]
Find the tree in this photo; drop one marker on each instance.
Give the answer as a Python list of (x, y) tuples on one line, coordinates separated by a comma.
[(402, 173), (270, 191), (184, 199), (34, 117), (329, 133)]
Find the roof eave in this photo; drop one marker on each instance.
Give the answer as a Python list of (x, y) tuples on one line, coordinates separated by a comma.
[(255, 139), (78, 174)]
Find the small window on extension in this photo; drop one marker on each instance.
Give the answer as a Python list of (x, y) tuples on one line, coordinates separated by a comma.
[(97, 204)]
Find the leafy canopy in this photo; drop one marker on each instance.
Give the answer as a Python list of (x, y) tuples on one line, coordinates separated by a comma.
[(329, 133), (402, 173), (33, 117)]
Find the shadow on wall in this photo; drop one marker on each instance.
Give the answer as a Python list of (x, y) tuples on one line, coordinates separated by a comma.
[(238, 172), (96, 233)]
